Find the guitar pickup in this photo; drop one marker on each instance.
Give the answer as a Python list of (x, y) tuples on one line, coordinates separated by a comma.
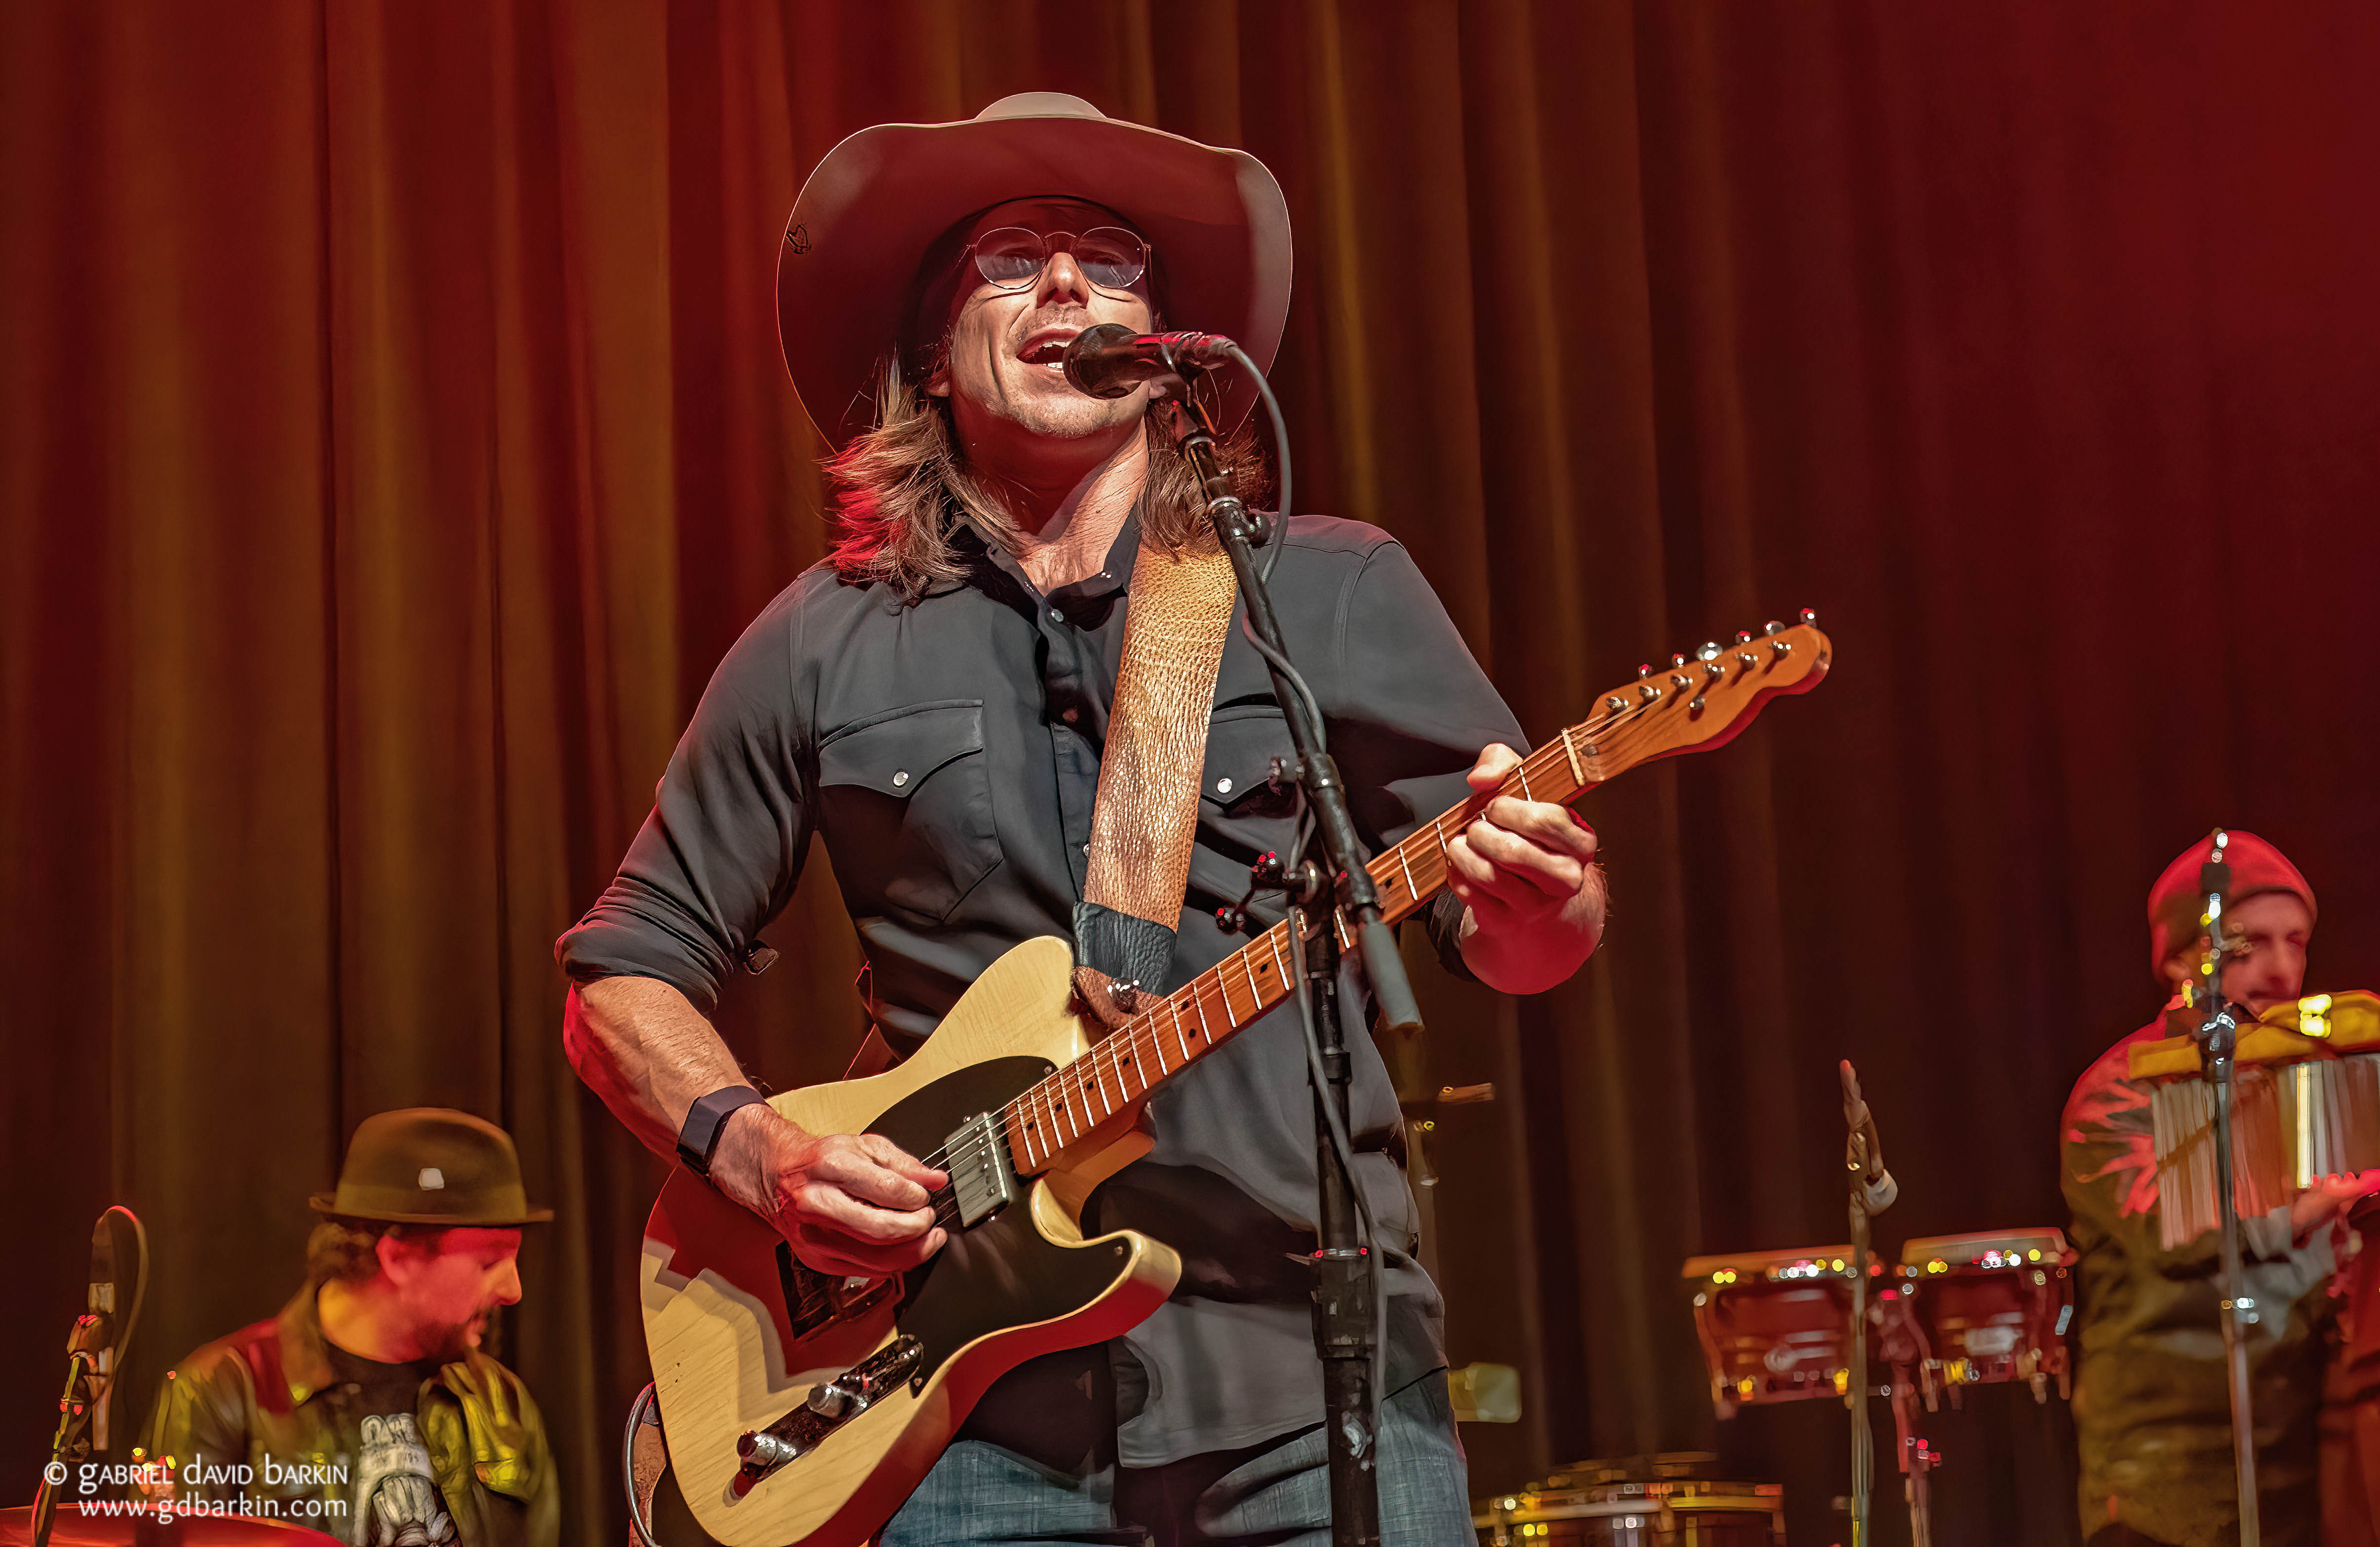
[(983, 1182)]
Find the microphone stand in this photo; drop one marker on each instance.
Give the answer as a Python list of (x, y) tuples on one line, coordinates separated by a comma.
[(96, 1347), (2218, 1041), (1872, 1192), (1345, 1333)]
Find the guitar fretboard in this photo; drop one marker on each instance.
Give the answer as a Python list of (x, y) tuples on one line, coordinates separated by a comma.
[(1200, 1016)]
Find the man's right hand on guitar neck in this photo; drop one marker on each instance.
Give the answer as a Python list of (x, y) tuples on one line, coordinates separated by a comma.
[(851, 1206)]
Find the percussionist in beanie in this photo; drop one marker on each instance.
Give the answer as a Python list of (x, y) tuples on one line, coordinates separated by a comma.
[(935, 704), (365, 1407), (2152, 1402)]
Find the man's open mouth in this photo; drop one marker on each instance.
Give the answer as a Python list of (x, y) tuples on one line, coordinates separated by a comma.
[(1048, 350)]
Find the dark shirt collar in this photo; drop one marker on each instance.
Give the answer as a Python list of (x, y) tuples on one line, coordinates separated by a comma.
[(985, 557)]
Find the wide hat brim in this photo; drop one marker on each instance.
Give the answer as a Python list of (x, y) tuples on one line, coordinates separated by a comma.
[(1215, 220)]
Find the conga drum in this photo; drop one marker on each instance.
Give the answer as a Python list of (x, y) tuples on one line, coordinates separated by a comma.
[(1773, 1325), (1993, 1307)]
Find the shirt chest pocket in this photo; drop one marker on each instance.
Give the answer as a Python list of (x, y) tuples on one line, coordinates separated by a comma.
[(1236, 784), (906, 799)]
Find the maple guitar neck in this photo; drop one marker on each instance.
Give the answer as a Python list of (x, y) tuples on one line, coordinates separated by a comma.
[(1700, 703)]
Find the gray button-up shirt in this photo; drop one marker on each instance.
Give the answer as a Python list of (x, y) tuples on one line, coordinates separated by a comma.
[(948, 754)]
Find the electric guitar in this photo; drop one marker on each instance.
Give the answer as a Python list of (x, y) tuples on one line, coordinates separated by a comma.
[(802, 1409)]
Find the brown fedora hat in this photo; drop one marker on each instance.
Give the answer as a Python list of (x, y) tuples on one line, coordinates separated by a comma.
[(430, 1166), (1215, 220)]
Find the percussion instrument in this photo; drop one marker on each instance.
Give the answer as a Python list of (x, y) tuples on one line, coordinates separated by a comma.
[(1646, 1502), (2306, 1104), (78, 1528), (1990, 1308), (1775, 1325)]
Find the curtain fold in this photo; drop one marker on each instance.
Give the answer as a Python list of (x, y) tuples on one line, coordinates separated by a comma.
[(393, 437)]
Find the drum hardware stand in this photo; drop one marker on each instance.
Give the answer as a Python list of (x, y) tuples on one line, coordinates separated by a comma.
[(2218, 1041), (1347, 1294), (1904, 1349), (1872, 1192)]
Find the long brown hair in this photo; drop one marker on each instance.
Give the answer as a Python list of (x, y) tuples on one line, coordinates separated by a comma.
[(902, 488)]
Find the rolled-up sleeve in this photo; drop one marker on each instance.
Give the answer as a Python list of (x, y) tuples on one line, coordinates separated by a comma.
[(730, 825)]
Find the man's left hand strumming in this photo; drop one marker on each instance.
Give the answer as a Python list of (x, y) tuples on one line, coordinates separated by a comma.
[(1533, 896)]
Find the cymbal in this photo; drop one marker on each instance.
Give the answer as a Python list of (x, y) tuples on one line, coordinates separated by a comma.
[(76, 1529)]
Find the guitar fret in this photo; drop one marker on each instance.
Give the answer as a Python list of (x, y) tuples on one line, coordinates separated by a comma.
[(1223, 987), (1022, 1109), (1577, 774), (1412, 892), (1273, 940), (1523, 771), (1198, 1003), (1180, 1035)]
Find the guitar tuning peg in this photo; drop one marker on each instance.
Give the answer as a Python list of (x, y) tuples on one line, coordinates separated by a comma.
[(1709, 650), (1677, 660), (1809, 615), (1644, 671), (1772, 626), (1744, 636)]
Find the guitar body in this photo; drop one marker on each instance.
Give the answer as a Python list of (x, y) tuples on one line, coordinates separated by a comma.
[(740, 1334)]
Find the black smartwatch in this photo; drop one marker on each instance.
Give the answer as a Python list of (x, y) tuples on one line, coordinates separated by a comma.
[(705, 1120)]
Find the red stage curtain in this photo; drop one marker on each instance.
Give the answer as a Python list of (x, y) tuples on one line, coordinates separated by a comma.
[(391, 436)]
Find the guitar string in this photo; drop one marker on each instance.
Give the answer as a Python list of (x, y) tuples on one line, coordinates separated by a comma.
[(1101, 1060)]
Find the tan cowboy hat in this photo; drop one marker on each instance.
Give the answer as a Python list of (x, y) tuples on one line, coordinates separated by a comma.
[(847, 279), (430, 1166)]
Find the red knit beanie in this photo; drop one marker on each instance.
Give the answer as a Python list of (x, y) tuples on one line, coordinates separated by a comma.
[(2177, 906)]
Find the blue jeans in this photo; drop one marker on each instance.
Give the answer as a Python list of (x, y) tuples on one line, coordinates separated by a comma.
[(1273, 1494)]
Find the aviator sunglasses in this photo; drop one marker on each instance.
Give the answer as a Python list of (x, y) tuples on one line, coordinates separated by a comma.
[(1012, 257)]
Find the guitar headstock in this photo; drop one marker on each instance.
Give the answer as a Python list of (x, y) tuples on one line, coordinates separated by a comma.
[(1704, 698)]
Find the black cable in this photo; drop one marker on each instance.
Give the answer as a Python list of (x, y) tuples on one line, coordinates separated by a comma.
[(1341, 1146), (1281, 455), (1275, 540)]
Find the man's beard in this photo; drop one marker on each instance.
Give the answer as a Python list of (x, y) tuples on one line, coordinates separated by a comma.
[(456, 1342)]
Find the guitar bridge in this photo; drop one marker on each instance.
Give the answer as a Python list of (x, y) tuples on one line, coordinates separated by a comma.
[(983, 1180), (829, 1408)]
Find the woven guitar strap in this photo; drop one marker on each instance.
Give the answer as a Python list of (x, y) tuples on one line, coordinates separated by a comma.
[(1145, 816)]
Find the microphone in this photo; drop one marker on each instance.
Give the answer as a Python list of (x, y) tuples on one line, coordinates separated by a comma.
[(95, 1350), (1865, 1151), (1110, 359)]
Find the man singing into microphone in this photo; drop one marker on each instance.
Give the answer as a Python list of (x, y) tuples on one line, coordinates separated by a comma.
[(933, 703)]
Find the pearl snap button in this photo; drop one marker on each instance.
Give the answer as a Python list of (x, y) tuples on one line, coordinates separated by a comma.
[(900, 779), (1056, 616), (1223, 786)]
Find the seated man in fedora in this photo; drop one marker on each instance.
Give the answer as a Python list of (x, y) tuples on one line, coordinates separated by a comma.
[(935, 704), (365, 1408)]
